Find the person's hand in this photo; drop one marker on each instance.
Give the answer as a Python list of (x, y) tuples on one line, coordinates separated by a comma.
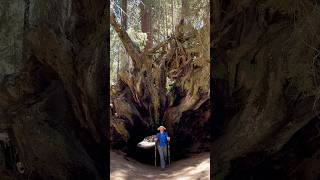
[(168, 138)]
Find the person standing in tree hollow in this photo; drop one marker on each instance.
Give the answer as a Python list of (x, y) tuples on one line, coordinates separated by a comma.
[(162, 139)]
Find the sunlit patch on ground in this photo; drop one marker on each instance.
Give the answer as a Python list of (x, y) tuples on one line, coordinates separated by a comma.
[(194, 167)]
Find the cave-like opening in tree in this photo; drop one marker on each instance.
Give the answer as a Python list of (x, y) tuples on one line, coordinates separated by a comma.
[(160, 75)]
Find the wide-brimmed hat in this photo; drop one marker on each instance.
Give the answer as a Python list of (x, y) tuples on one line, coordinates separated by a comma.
[(161, 127)]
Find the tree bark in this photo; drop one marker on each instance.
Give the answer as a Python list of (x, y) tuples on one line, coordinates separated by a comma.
[(184, 9), (124, 15), (129, 45), (172, 15), (56, 98), (263, 111), (146, 22)]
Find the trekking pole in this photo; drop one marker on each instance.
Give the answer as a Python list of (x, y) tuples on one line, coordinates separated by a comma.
[(155, 156), (169, 151)]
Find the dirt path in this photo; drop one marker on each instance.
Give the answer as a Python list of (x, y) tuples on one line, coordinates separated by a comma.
[(196, 167)]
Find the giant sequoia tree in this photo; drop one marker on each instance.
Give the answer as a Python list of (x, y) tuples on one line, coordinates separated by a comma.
[(266, 75), (143, 98)]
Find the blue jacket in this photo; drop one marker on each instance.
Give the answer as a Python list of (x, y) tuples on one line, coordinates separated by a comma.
[(162, 140)]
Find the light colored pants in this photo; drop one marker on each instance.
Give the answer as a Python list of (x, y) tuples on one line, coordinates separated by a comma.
[(163, 156)]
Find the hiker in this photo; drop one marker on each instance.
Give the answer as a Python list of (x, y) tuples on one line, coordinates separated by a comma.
[(162, 139)]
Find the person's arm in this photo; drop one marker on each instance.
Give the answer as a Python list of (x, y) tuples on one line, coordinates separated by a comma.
[(156, 138), (168, 138)]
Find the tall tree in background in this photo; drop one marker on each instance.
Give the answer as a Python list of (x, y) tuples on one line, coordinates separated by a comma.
[(123, 60), (124, 14), (172, 15), (146, 25), (184, 9)]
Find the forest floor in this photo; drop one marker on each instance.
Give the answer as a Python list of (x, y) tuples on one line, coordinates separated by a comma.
[(196, 167)]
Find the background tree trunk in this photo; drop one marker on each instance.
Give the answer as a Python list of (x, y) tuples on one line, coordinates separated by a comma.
[(146, 21), (124, 15), (184, 9)]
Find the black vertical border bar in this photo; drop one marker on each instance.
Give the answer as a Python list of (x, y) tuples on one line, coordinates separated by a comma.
[(107, 84), (212, 84)]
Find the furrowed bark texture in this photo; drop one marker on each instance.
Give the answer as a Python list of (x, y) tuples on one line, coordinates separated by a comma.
[(265, 75), (53, 87)]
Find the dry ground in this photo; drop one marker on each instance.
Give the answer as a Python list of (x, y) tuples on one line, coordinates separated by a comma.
[(196, 167)]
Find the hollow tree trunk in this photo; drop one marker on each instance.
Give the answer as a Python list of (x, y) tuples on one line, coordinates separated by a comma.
[(141, 98), (266, 94)]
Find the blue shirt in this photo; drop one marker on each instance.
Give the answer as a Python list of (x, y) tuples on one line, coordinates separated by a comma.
[(162, 138)]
